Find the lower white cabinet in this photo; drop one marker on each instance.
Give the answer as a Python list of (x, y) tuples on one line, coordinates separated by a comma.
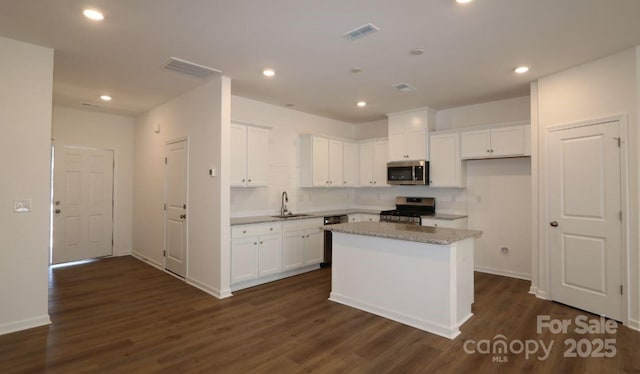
[(359, 217), (265, 252), (460, 223), (302, 244), (256, 251)]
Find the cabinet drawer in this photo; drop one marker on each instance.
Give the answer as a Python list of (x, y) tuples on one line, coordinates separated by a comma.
[(257, 229), (304, 224)]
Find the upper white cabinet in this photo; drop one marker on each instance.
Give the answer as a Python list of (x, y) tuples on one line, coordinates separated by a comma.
[(373, 163), (446, 169), (498, 141), (327, 162), (249, 155), (350, 156), (408, 134)]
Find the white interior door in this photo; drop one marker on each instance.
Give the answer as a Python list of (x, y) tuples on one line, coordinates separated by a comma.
[(83, 204), (585, 225), (175, 229)]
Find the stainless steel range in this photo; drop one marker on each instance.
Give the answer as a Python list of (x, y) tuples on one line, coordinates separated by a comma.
[(410, 209)]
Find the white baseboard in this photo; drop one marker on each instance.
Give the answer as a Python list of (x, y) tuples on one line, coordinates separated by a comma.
[(449, 332), (208, 289), (146, 259), (504, 273), (634, 324), (122, 253), (29, 323)]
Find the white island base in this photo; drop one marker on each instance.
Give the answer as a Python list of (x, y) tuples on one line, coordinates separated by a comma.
[(427, 286)]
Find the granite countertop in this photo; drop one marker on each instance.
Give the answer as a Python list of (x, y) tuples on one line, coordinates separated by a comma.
[(406, 231), (444, 216), (318, 214)]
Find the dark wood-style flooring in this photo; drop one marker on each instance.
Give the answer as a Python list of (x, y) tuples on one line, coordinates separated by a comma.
[(119, 315)]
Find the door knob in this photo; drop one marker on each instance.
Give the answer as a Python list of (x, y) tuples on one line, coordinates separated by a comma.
[(58, 211), (183, 216), (554, 223)]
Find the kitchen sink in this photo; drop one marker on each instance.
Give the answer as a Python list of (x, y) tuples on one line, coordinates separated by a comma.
[(291, 215)]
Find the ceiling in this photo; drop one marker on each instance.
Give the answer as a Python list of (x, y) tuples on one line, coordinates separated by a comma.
[(470, 50)]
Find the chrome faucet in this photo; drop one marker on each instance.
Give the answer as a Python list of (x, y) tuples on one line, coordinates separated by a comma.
[(283, 205)]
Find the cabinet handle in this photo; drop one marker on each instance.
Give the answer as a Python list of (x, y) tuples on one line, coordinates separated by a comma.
[(249, 181), (492, 151), (271, 229), (261, 242), (374, 182), (488, 150), (243, 180), (302, 236), (254, 243), (244, 231), (345, 182)]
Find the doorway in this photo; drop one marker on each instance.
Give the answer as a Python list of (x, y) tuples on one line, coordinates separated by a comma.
[(176, 194), (585, 217), (82, 203)]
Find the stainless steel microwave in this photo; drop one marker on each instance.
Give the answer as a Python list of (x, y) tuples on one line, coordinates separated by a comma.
[(408, 172)]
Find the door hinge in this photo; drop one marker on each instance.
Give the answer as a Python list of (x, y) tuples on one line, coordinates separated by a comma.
[(164, 253), (620, 215), (619, 140), (184, 206), (165, 160), (165, 206), (621, 290)]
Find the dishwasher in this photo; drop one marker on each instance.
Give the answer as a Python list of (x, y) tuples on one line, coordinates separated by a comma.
[(330, 220)]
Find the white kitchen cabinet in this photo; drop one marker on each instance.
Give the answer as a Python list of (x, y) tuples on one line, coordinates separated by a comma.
[(350, 164), (408, 134), (322, 162), (249, 155), (355, 217), (446, 168), (373, 163), (460, 223), (303, 243), (370, 217), (494, 142), (255, 251)]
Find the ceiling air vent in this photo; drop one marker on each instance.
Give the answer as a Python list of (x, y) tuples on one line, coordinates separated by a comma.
[(361, 32), (189, 68), (91, 105), (404, 87)]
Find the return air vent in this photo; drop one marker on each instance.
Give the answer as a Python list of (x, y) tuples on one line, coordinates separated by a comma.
[(361, 32), (91, 105), (404, 87), (189, 68)]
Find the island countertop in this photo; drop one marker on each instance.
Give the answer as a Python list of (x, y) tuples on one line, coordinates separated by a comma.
[(406, 231)]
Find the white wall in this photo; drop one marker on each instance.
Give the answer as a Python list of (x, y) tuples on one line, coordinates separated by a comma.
[(509, 110), (284, 171), (26, 73), (202, 115), (602, 88), (371, 130), (106, 131)]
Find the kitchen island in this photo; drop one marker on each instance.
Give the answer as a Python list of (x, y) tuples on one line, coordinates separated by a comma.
[(418, 275)]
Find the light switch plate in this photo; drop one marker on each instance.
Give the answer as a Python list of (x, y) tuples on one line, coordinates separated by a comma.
[(22, 206)]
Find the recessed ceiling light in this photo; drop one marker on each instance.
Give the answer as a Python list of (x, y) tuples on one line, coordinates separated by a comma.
[(93, 14), (463, 1), (269, 72), (521, 69), (362, 104), (416, 51), (105, 98)]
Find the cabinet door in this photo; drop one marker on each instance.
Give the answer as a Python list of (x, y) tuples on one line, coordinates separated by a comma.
[(350, 164), (366, 164), (270, 255), (415, 145), (355, 217), (257, 156), (335, 163), (475, 144), (445, 166), (244, 259), (238, 155), (292, 243), (507, 141), (313, 246), (396, 148), (320, 159), (380, 163)]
